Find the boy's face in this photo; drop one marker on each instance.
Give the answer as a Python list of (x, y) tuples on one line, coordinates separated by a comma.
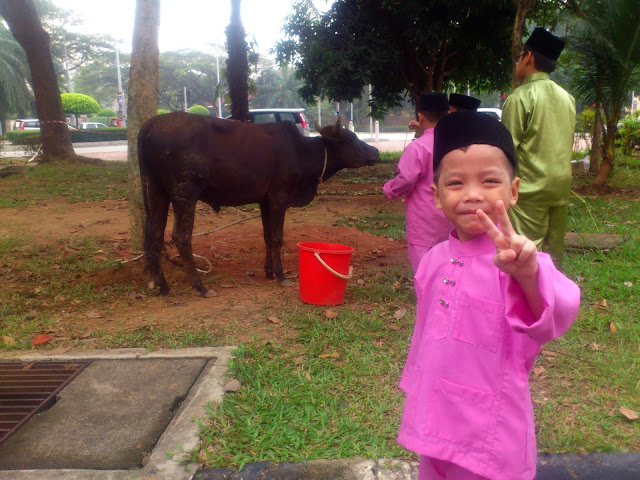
[(470, 180)]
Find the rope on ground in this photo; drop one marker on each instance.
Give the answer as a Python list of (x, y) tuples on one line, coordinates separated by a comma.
[(227, 226), (131, 259)]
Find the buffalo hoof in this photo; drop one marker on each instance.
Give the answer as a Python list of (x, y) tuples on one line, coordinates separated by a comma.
[(210, 293), (286, 283)]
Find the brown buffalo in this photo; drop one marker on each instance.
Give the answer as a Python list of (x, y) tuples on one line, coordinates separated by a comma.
[(185, 158)]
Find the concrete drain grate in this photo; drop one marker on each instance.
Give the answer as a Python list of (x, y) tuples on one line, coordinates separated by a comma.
[(28, 388)]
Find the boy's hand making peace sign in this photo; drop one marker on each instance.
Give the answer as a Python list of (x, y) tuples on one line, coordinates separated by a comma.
[(516, 255)]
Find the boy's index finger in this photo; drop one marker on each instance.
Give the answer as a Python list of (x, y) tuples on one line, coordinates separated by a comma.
[(503, 219), (489, 227)]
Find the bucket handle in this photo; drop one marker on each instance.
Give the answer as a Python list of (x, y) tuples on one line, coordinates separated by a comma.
[(337, 274)]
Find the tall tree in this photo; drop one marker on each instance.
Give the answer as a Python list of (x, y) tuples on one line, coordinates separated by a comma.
[(143, 103), (23, 21), (399, 46), (607, 42), (237, 65), (278, 88)]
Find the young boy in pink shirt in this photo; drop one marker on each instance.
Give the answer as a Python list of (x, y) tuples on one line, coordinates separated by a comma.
[(487, 302), (426, 225)]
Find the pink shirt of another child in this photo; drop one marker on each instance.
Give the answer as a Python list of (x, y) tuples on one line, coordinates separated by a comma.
[(426, 225), (474, 345)]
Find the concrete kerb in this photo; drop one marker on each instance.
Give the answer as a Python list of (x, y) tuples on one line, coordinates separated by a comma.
[(181, 434)]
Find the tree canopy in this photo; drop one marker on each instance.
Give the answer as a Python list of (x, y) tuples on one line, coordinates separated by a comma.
[(399, 46), (79, 104)]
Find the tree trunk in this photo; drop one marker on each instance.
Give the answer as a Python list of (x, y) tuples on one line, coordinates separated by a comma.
[(516, 42), (142, 105), (23, 21), (609, 151), (237, 65), (596, 143)]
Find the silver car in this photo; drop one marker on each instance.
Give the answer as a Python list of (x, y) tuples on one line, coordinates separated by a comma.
[(293, 115)]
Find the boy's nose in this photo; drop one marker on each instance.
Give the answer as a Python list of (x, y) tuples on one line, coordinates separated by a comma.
[(473, 193)]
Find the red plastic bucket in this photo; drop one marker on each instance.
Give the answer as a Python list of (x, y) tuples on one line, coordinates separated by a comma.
[(324, 269)]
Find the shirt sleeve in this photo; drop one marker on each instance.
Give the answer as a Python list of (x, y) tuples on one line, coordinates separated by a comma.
[(409, 171), (560, 298), (514, 118)]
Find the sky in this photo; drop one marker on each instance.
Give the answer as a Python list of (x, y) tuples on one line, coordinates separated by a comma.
[(192, 24)]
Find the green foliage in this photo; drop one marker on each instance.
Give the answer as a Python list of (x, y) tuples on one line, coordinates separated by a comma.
[(398, 47), (606, 40), (629, 133), (30, 138), (14, 72), (79, 103), (162, 111), (105, 112), (199, 109), (585, 121)]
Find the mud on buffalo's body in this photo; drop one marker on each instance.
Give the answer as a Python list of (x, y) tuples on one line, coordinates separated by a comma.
[(184, 158)]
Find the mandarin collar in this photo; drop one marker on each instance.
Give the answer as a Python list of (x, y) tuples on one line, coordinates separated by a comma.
[(471, 248), (536, 76)]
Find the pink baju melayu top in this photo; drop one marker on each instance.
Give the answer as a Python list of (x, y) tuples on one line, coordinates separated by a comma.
[(473, 347), (426, 225)]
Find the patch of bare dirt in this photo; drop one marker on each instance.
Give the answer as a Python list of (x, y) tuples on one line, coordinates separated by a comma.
[(245, 300)]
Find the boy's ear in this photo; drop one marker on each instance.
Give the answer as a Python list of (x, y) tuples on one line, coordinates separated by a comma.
[(436, 196), (515, 186)]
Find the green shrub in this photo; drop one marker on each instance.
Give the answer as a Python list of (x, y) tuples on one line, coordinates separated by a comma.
[(79, 104), (629, 133), (32, 138), (105, 112), (199, 109), (585, 121), (162, 111)]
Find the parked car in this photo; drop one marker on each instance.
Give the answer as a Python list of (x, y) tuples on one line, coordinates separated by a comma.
[(494, 112), (293, 115), (91, 126), (26, 124)]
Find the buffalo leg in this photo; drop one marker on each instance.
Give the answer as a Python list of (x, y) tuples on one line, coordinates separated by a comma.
[(268, 263), (155, 223), (276, 239), (184, 217)]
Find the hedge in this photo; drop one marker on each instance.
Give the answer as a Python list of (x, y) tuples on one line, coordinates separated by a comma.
[(32, 137)]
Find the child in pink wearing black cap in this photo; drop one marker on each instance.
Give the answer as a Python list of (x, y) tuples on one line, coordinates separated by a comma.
[(487, 302)]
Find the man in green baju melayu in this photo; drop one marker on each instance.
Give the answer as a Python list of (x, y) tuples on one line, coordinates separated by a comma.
[(541, 117)]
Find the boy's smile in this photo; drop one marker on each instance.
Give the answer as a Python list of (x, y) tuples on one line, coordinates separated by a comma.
[(472, 179)]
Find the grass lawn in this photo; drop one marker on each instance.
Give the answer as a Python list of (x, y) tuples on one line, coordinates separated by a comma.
[(330, 391)]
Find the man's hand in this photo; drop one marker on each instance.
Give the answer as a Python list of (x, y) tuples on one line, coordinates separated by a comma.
[(516, 255)]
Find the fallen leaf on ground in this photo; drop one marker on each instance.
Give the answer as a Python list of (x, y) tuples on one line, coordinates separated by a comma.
[(393, 327), (602, 304), (630, 414), (330, 313), (401, 312), (93, 314), (329, 355), (548, 353), (8, 340), (232, 386), (628, 284), (306, 375), (538, 371), (595, 346), (275, 320), (40, 339), (613, 328), (360, 281)]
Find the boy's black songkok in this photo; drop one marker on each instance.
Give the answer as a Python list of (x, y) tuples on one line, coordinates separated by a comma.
[(463, 102), (464, 128), (545, 43), (433, 102)]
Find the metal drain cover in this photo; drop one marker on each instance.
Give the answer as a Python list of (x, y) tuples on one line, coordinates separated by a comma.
[(28, 388)]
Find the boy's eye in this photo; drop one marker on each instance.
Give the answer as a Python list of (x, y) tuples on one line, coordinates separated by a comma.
[(452, 183), (491, 180)]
